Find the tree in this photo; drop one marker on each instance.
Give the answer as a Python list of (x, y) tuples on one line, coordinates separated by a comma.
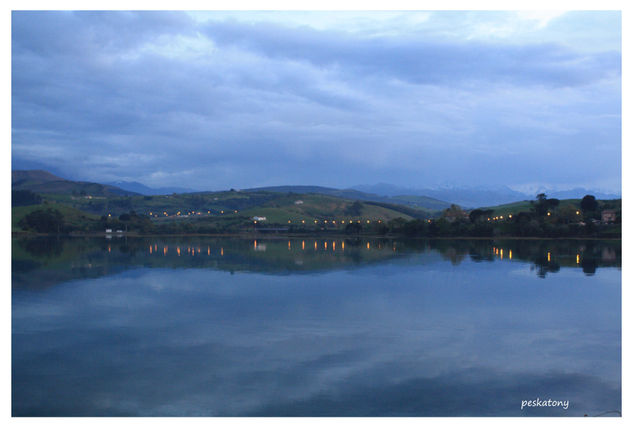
[(589, 203), (478, 214), (567, 214), (543, 205), (353, 228), (20, 198), (354, 210), (43, 221)]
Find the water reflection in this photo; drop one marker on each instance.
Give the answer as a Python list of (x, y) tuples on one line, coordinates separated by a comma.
[(277, 256), (268, 328)]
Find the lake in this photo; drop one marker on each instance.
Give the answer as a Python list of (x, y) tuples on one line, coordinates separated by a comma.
[(200, 326)]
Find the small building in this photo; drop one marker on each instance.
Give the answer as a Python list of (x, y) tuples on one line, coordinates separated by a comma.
[(608, 216), (258, 218), (108, 231), (299, 202), (455, 213)]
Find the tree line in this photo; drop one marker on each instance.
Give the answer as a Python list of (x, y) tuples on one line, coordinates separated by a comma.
[(544, 218)]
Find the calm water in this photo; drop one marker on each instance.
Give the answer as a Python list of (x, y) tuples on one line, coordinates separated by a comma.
[(177, 326)]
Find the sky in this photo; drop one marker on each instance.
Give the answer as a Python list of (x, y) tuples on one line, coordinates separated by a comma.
[(218, 100)]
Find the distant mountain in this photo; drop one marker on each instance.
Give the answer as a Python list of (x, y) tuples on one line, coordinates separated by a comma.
[(353, 194), (33, 176), (135, 186), (580, 192), (478, 196), (386, 189), (40, 181), (466, 196), (472, 197)]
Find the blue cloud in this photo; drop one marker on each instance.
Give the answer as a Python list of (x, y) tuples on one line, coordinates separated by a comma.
[(167, 98)]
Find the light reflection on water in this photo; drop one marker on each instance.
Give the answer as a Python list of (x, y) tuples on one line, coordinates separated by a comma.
[(383, 328)]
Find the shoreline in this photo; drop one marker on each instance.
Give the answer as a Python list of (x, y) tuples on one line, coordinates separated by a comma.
[(302, 235)]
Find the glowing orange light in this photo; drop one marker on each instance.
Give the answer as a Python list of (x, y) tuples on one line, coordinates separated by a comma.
[(342, 245), (303, 245), (549, 256), (501, 253), (577, 258), (150, 249), (255, 243), (368, 245), (333, 245), (510, 254), (221, 251), (288, 245), (178, 251)]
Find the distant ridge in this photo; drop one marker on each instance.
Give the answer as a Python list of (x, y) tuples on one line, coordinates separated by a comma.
[(480, 196), (135, 186), (33, 175), (409, 200), (40, 181)]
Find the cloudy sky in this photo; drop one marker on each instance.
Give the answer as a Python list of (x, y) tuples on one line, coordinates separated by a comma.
[(216, 99)]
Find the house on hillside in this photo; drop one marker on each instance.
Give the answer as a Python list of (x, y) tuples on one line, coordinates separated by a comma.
[(455, 213), (608, 216), (258, 218)]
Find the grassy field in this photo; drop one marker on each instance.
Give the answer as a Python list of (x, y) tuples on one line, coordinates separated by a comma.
[(72, 216), (276, 207), (516, 207)]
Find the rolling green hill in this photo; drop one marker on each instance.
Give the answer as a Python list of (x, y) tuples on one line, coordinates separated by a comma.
[(222, 210), (422, 202), (72, 216), (516, 207)]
